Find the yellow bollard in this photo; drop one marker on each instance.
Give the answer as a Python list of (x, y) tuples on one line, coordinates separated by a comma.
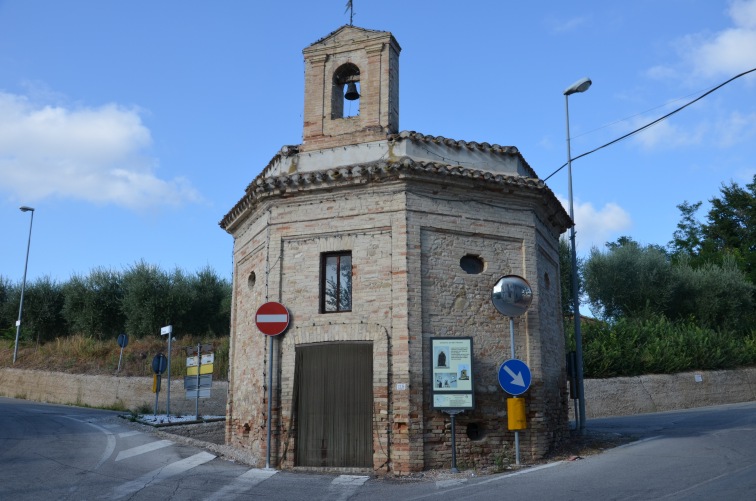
[(516, 413)]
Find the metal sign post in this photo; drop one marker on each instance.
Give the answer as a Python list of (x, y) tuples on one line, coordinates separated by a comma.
[(453, 415), (123, 340), (198, 380), (517, 433), (512, 296), (168, 329), (199, 371), (271, 319), (159, 364), (270, 402)]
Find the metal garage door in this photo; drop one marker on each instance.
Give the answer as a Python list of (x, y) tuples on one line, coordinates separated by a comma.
[(334, 399)]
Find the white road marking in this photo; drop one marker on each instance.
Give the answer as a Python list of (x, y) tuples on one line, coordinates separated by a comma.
[(142, 449), (242, 484), (160, 474), (129, 434), (109, 448), (344, 486)]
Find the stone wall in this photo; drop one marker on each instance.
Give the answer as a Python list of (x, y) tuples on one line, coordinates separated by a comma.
[(107, 391), (604, 397), (624, 396)]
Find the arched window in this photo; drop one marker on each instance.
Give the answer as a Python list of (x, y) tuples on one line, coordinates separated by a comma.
[(345, 98)]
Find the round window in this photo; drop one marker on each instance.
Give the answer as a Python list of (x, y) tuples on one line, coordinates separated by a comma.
[(472, 264)]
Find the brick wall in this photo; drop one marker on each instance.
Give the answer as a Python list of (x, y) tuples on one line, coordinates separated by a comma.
[(406, 241)]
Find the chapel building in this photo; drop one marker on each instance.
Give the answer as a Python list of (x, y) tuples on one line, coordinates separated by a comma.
[(379, 241)]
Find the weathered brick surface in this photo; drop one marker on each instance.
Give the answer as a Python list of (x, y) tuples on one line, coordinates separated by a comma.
[(407, 222), (376, 55), (406, 245)]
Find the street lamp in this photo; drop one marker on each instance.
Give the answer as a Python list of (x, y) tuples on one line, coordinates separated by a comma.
[(23, 284), (581, 85)]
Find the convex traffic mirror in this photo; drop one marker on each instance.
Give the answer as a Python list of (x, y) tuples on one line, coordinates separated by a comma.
[(512, 295)]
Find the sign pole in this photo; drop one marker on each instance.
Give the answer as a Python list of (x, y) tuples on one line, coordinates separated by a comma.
[(123, 340), (270, 399), (517, 433), (199, 371), (512, 296), (272, 319), (168, 329), (157, 392), (453, 414), (158, 367), (168, 391)]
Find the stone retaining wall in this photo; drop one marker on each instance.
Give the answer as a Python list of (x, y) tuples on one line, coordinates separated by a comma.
[(604, 397), (624, 396), (107, 391)]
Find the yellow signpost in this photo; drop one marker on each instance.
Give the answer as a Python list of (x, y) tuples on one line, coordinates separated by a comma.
[(203, 369), (516, 414)]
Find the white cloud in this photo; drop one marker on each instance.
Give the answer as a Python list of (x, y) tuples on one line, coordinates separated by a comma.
[(595, 227), (566, 25), (743, 12), (97, 155), (735, 128), (720, 54), (667, 134), (721, 129)]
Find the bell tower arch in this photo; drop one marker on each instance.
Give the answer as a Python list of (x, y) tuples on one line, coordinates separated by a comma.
[(352, 69)]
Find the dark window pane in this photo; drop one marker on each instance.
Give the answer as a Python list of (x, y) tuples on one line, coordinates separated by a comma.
[(345, 283), (336, 288), (331, 283)]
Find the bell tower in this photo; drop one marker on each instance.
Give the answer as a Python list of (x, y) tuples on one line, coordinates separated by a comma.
[(351, 88)]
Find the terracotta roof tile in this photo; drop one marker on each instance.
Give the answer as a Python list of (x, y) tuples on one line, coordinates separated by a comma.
[(404, 167)]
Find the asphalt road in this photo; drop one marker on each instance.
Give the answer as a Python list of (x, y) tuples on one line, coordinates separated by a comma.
[(51, 452)]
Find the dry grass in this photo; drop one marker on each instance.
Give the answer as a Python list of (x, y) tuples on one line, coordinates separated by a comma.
[(84, 355)]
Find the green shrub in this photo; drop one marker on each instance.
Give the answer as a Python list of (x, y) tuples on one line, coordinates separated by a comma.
[(656, 345)]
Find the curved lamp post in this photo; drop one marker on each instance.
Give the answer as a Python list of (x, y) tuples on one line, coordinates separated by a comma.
[(23, 284), (581, 85)]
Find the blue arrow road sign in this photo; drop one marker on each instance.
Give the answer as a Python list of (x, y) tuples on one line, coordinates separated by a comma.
[(514, 376)]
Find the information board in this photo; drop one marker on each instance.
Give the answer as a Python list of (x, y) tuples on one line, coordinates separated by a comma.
[(452, 373)]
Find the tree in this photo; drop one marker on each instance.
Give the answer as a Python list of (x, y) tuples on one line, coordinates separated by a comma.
[(689, 233), (565, 276), (8, 306), (92, 304), (730, 230), (146, 299), (627, 280), (717, 296), (210, 311), (731, 225), (42, 315)]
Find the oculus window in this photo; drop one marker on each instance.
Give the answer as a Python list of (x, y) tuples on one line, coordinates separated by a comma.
[(336, 282)]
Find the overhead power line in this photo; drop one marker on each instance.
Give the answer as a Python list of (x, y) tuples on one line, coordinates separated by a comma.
[(654, 122)]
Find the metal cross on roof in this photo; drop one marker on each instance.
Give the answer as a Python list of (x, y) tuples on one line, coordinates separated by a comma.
[(350, 8)]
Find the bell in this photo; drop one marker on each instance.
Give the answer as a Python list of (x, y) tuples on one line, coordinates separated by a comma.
[(351, 92)]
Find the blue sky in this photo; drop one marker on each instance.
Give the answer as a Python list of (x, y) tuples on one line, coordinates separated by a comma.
[(133, 127)]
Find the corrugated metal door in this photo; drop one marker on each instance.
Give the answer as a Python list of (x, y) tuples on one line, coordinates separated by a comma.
[(334, 399)]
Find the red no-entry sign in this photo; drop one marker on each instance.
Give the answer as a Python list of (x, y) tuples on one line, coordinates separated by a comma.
[(272, 318)]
